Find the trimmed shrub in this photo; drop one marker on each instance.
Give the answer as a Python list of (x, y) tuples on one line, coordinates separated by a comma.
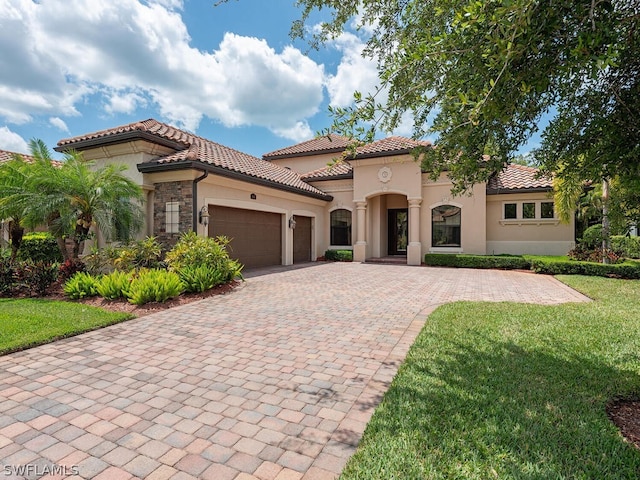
[(201, 278), (339, 255), (39, 247), (506, 262), (81, 285), (114, 285), (193, 250), (628, 270), (592, 237), (36, 277), (154, 286), (627, 246)]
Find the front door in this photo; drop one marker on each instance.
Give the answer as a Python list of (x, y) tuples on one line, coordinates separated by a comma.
[(398, 231)]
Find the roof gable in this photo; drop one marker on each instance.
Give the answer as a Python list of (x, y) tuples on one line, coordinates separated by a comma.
[(316, 146)]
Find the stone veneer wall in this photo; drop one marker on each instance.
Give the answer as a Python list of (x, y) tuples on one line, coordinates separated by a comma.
[(181, 192)]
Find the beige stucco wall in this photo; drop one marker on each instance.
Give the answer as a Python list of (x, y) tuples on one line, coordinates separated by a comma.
[(534, 236), (342, 193), (307, 163), (473, 215)]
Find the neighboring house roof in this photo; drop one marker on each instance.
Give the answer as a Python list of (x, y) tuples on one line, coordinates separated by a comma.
[(192, 151), (518, 178), (316, 146), (337, 171), (6, 155)]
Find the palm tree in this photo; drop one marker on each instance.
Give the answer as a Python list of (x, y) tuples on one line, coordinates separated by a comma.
[(72, 197), (14, 176)]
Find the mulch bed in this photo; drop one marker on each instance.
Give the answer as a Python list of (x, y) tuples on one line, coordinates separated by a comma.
[(625, 414), (55, 293)]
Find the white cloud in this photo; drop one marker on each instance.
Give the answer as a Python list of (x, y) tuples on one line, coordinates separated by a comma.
[(59, 124), (133, 53), (354, 73), (12, 141)]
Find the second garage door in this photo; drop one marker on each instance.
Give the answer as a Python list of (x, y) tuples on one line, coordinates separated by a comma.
[(256, 236)]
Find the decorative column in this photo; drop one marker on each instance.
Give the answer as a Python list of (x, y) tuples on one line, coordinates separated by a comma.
[(360, 247), (414, 249)]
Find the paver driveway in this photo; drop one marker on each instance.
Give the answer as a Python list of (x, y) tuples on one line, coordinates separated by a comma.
[(275, 380)]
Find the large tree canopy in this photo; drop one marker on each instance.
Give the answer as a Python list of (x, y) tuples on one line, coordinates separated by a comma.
[(481, 74)]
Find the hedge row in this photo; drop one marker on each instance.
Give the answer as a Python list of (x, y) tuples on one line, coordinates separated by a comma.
[(476, 261), (339, 255), (628, 269)]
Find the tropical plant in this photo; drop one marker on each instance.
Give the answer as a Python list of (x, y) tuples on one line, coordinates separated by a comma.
[(145, 253), (74, 196), (39, 247), (154, 286), (36, 277), (200, 278), (193, 250), (81, 285), (114, 285)]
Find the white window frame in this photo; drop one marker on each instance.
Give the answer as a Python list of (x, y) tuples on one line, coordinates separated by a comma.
[(172, 217)]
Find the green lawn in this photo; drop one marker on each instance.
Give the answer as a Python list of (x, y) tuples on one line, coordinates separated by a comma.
[(28, 322), (508, 391)]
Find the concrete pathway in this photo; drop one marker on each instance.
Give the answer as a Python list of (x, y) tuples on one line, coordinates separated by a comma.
[(276, 380)]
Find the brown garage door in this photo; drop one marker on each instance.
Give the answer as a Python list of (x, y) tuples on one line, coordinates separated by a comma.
[(256, 236), (302, 240)]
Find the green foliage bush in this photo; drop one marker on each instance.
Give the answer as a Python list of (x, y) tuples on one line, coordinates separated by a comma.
[(145, 253), (35, 277), (81, 285), (114, 285), (193, 250), (339, 255), (628, 247), (39, 247), (592, 237), (200, 278), (629, 269), (505, 262), (6, 277), (154, 286), (101, 260)]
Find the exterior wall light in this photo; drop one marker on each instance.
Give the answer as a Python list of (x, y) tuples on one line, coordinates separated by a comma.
[(203, 216), (292, 222)]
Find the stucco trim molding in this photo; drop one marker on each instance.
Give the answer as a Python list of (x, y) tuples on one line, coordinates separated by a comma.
[(447, 202), (532, 221), (243, 204)]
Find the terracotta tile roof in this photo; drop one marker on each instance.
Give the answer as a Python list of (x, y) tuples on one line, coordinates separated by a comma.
[(149, 126), (192, 148), (518, 178), (6, 155), (340, 170), (315, 146), (212, 153), (389, 145)]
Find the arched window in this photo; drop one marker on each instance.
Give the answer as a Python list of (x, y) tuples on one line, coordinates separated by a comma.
[(445, 226), (341, 227)]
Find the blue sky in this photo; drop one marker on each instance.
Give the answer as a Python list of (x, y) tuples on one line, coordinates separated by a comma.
[(229, 73)]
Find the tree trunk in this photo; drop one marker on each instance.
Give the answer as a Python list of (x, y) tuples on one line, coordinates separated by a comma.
[(606, 237), (16, 232)]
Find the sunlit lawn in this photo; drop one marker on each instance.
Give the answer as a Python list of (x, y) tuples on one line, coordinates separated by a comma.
[(512, 391), (29, 322)]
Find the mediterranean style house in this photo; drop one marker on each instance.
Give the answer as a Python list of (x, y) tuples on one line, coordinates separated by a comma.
[(290, 206)]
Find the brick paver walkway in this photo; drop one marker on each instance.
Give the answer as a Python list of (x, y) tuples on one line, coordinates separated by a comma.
[(273, 381)]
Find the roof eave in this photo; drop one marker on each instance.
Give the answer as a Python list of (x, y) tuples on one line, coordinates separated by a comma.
[(499, 191), (116, 138), (388, 153), (268, 157), (343, 176), (151, 167)]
